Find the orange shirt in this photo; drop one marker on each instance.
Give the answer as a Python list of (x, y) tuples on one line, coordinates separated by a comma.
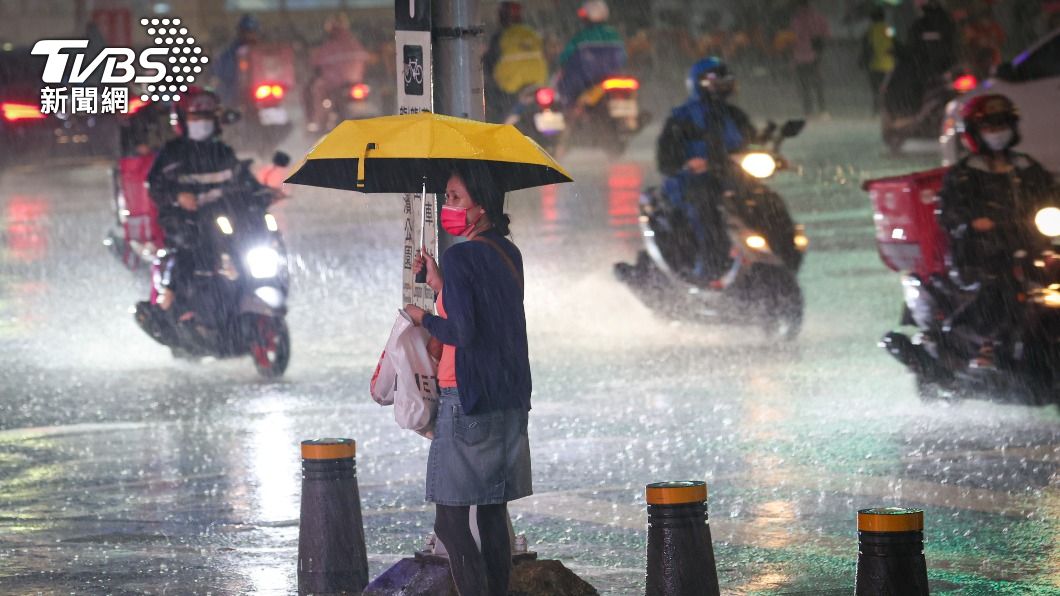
[(447, 365)]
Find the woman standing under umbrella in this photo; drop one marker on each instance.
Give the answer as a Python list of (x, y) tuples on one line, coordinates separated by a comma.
[(480, 454)]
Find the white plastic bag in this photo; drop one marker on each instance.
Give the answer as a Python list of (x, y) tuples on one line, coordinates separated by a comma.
[(407, 377)]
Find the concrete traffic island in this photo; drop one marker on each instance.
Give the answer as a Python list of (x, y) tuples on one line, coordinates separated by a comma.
[(427, 574)]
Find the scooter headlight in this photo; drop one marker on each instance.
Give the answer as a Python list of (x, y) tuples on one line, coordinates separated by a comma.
[(1048, 221), (759, 165), (270, 222), (1051, 299), (225, 225), (756, 242), (263, 262), (270, 296), (801, 241)]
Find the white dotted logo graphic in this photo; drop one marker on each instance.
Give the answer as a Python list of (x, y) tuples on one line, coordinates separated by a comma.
[(185, 59)]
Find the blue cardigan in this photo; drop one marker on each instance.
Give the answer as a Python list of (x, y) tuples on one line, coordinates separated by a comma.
[(487, 324)]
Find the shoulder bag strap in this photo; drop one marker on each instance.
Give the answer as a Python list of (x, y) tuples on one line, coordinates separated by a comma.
[(507, 260)]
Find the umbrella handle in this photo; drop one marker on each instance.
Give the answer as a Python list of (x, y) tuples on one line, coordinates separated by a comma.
[(421, 277), (360, 164)]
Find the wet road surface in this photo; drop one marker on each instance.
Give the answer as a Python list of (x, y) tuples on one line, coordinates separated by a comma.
[(125, 471)]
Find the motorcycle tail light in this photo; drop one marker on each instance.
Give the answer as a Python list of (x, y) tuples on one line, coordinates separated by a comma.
[(19, 111), (628, 83), (268, 90), (545, 96), (359, 91), (965, 83), (135, 105)]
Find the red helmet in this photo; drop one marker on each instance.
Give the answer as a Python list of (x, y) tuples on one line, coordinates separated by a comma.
[(199, 100), (992, 109)]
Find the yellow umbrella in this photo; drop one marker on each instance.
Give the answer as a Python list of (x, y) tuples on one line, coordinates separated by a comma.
[(417, 153)]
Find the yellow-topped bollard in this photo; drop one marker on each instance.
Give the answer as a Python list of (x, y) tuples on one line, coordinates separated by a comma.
[(331, 553), (891, 552), (680, 553)]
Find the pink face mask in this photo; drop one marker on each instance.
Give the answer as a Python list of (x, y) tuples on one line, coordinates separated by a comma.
[(454, 220)]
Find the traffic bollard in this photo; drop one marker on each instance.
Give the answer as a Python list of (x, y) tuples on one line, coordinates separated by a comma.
[(331, 554), (680, 554), (891, 553)]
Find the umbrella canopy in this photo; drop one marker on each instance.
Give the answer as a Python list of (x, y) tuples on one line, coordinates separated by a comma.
[(397, 154)]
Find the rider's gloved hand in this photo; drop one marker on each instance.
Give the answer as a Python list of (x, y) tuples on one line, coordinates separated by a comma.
[(187, 201), (696, 165)]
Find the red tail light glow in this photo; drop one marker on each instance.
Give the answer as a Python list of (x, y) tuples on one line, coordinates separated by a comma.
[(19, 111), (965, 83), (135, 105), (268, 90), (545, 96), (623, 83), (360, 91)]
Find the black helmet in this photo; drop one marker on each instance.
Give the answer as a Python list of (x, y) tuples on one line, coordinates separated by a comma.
[(710, 78)]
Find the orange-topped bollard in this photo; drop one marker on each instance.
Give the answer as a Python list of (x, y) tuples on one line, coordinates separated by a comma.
[(331, 554), (891, 552), (680, 553)]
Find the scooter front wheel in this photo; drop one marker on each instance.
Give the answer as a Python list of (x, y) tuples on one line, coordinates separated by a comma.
[(781, 297), (270, 346)]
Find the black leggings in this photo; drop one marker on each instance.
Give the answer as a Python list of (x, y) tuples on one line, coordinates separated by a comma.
[(476, 573)]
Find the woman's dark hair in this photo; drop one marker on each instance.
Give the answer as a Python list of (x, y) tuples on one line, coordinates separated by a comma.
[(485, 192)]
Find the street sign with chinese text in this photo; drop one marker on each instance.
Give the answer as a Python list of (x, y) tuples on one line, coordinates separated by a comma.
[(412, 34)]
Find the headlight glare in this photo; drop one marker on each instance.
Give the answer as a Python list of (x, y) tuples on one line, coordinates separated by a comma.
[(759, 165), (263, 262), (756, 242), (270, 296), (1048, 221)]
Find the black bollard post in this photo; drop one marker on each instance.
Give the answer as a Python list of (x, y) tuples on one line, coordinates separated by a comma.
[(331, 554), (891, 553), (680, 554)]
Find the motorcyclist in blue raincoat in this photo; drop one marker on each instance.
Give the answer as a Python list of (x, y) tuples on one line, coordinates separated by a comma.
[(694, 144)]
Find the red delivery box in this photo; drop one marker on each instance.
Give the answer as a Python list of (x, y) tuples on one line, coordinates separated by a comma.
[(908, 236)]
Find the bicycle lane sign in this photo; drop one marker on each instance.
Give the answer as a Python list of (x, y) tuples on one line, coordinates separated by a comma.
[(412, 33)]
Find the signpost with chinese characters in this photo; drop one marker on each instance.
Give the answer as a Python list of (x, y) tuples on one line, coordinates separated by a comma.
[(412, 34)]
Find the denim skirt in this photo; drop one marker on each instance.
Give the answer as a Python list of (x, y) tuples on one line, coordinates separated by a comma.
[(478, 459)]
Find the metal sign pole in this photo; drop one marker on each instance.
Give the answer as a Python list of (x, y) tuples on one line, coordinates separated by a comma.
[(458, 32), (412, 36)]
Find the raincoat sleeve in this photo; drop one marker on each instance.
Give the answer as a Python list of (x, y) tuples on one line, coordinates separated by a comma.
[(161, 185), (955, 209), (569, 49), (458, 327), (670, 148)]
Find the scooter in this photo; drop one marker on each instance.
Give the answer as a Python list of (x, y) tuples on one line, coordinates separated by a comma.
[(351, 101), (915, 108), (758, 283), (537, 115), (239, 286), (607, 115), (266, 85), (942, 306)]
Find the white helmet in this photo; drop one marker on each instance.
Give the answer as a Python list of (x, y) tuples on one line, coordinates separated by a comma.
[(595, 11)]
